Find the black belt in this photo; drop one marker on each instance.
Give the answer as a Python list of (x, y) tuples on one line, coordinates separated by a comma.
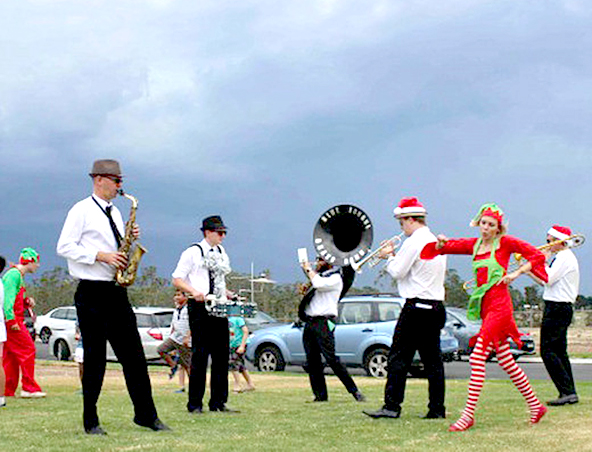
[(323, 317), (95, 281), (428, 304)]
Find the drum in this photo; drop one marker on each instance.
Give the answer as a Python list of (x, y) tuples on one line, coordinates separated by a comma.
[(229, 308)]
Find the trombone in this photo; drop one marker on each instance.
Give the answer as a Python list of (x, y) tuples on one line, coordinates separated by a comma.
[(373, 259), (573, 241)]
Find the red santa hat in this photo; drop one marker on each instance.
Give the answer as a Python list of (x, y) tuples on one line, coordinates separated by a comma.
[(410, 207), (559, 232)]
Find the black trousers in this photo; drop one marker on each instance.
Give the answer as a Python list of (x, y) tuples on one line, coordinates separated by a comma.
[(209, 339), (418, 329), (557, 317), (319, 340), (104, 314)]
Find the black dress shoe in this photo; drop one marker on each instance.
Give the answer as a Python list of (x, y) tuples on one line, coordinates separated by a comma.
[(156, 425), (359, 396), (95, 431), (564, 400), (435, 415), (317, 399), (383, 412), (198, 410), (224, 409)]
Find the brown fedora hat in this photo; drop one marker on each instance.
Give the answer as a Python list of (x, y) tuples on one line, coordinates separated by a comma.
[(106, 167)]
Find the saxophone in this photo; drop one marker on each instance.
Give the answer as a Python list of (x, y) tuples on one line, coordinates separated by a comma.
[(129, 247)]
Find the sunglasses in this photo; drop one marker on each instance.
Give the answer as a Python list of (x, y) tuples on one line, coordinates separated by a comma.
[(221, 233), (115, 179)]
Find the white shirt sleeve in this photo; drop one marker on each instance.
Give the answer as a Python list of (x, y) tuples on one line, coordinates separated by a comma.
[(69, 245), (326, 283), (560, 268), (400, 265), (185, 265)]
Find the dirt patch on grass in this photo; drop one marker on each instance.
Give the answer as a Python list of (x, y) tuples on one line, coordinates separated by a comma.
[(579, 340)]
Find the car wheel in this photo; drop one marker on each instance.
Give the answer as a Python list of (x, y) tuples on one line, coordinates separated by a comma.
[(61, 350), (376, 362), (270, 359), (45, 334)]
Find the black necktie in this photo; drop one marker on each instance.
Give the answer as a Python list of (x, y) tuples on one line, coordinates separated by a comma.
[(113, 226)]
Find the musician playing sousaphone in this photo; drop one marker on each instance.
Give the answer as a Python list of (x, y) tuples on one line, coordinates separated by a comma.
[(318, 311), (200, 273), (90, 241), (342, 236)]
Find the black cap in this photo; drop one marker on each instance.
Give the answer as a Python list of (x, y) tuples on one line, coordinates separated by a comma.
[(213, 223)]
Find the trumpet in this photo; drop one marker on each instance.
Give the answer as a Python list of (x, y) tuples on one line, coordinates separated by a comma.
[(573, 241), (373, 259)]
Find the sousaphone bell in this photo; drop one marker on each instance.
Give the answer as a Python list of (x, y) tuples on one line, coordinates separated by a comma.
[(343, 235)]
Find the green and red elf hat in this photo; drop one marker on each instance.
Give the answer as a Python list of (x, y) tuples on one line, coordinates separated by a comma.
[(28, 255), (488, 210)]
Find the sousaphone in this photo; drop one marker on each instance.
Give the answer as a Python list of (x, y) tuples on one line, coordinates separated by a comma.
[(343, 235)]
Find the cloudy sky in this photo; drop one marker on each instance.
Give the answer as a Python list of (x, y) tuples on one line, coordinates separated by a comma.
[(270, 112)]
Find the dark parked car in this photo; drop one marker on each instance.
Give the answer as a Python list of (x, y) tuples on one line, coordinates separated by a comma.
[(30, 318), (363, 336), (464, 329)]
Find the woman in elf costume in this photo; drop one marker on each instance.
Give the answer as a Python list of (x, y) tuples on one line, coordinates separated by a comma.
[(491, 302)]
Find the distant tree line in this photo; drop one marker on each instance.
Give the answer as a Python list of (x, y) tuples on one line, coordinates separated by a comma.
[(56, 287)]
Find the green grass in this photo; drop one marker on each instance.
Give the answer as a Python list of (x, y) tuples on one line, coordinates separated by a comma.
[(277, 417)]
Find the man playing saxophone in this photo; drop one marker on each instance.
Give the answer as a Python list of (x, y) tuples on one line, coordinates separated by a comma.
[(90, 240)]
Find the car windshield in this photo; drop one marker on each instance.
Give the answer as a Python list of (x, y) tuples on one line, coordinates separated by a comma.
[(163, 319), (261, 318)]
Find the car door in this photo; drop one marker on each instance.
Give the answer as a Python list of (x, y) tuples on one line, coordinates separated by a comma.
[(62, 319), (354, 325), (293, 340)]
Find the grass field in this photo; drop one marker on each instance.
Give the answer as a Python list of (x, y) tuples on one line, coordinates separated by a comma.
[(276, 417)]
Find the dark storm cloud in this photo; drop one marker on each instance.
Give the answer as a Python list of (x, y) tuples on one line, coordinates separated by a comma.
[(270, 113)]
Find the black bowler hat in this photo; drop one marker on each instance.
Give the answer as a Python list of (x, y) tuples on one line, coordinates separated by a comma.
[(213, 223)]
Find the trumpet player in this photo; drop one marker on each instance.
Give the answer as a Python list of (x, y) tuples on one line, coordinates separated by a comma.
[(421, 283), (89, 241), (560, 293)]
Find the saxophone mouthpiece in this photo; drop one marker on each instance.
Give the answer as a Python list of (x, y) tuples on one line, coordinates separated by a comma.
[(120, 191)]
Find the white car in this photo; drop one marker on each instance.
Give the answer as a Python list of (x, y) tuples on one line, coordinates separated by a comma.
[(60, 319), (154, 326)]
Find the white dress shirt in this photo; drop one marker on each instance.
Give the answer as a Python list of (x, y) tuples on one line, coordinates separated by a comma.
[(87, 231), (564, 278), (328, 287), (192, 269), (418, 278)]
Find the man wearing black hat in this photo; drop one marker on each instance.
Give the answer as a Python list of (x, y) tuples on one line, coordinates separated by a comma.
[(90, 241), (209, 334)]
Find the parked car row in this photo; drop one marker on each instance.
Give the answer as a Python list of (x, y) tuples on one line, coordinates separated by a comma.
[(363, 335)]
